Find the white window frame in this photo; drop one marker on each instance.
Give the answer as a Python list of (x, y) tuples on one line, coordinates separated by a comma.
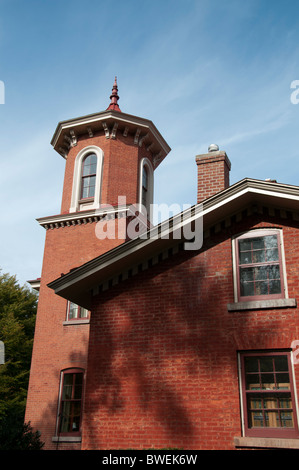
[(94, 203), (145, 162), (257, 232)]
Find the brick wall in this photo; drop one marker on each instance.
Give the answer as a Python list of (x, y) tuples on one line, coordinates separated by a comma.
[(212, 174), (162, 367), (58, 346), (120, 169)]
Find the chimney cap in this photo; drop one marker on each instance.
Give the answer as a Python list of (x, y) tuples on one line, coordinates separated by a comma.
[(213, 148)]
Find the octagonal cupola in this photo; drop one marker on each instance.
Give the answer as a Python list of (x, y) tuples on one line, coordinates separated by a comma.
[(108, 154)]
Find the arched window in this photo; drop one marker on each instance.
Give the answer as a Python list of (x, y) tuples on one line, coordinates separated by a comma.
[(89, 173), (146, 186), (87, 180)]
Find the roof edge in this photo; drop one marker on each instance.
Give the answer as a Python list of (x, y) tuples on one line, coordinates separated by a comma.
[(208, 206)]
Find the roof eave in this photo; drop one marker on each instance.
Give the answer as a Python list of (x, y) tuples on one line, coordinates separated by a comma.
[(78, 283), (81, 125)]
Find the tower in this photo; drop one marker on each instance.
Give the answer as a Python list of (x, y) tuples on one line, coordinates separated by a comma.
[(110, 157)]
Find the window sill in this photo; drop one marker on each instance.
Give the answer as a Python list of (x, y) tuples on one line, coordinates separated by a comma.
[(266, 442), (262, 304), (69, 439), (87, 200), (83, 321)]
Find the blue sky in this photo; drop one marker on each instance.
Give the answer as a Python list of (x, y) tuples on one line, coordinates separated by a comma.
[(203, 71)]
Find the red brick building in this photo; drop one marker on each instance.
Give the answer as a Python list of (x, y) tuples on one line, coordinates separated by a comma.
[(177, 342)]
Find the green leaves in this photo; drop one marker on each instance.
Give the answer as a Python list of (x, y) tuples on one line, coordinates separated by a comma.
[(17, 321)]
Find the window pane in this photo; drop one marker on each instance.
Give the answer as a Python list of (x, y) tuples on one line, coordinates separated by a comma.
[(274, 287), (268, 382), (75, 425), (253, 382), (245, 258), (65, 417), (260, 280), (83, 313), (90, 165), (245, 251), (88, 186), (71, 402), (272, 254), (258, 256), (67, 386), (257, 243), (247, 274), (251, 364), (281, 363), (260, 273), (78, 386), (256, 419), (70, 417), (258, 249), (73, 310), (266, 364), (270, 241), (261, 288), (144, 178), (287, 419), (283, 381), (274, 271), (285, 402)]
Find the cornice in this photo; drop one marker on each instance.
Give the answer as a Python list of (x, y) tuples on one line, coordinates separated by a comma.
[(83, 217), (110, 123)]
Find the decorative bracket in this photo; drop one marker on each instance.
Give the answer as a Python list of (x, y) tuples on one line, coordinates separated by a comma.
[(106, 130), (113, 134), (143, 139), (136, 138), (90, 133), (74, 138)]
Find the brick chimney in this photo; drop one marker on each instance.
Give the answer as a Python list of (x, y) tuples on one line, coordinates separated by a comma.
[(212, 172)]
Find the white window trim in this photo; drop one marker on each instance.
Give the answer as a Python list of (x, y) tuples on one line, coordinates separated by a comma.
[(76, 191), (260, 231), (146, 162), (76, 321)]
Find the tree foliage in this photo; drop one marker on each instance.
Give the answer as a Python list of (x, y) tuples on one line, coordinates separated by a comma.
[(17, 322)]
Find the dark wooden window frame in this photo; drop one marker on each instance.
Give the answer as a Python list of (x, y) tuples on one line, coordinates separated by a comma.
[(72, 401), (262, 394)]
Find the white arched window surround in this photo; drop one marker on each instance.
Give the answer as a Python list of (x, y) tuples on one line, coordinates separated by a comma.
[(76, 205), (145, 163)]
